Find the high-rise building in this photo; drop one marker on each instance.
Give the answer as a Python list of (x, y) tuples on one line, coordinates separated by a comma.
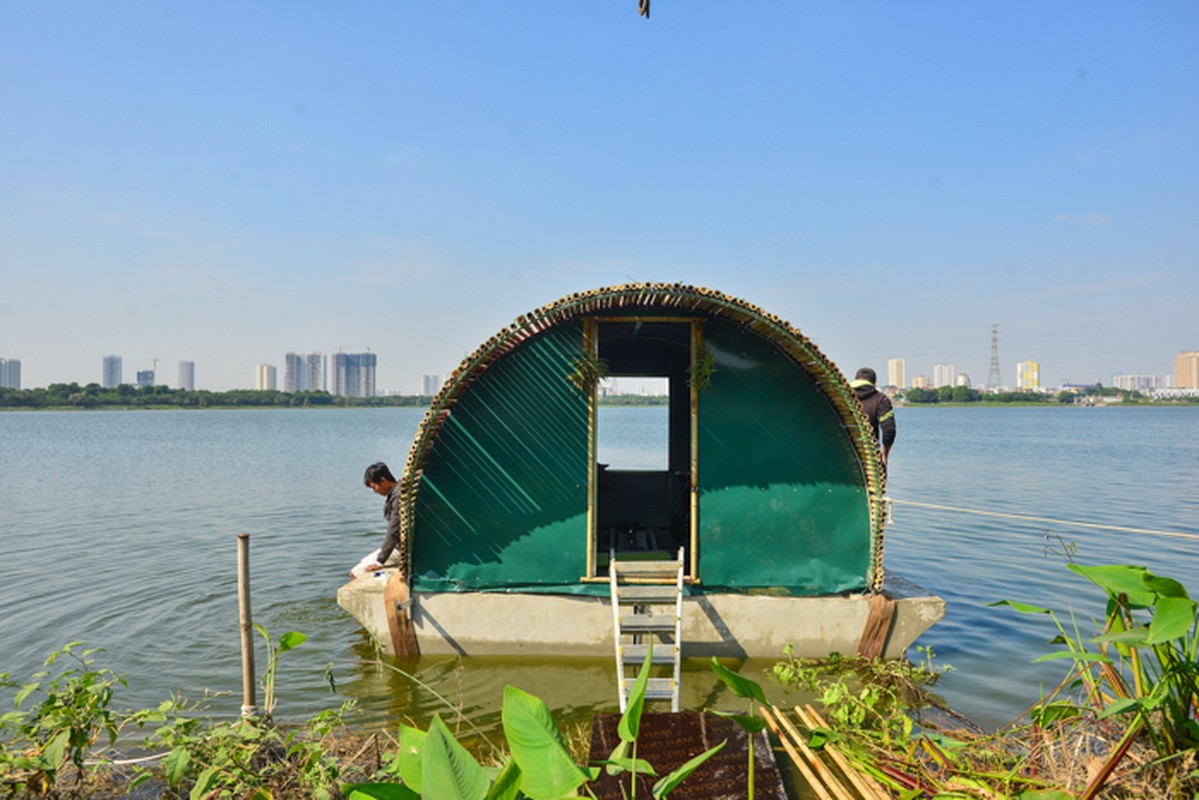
[(111, 378), (1186, 370), (187, 376), (304, 373), (920, 382), (264, 378), (145, 378), (314, 364), (1139, 383), (944, 375), (896, 373), (10, 373), (354, 374), (430, 385), (1028, 375)]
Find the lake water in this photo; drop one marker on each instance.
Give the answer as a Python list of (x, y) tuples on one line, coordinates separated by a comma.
[(119, 529)]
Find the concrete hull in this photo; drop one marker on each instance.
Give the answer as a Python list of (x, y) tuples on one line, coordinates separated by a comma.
[(725, 625)]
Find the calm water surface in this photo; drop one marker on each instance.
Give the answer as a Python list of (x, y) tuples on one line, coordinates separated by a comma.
[(119, 529)]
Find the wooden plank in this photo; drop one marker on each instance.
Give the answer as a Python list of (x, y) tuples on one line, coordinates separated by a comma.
[(878, 626), (399, 621)]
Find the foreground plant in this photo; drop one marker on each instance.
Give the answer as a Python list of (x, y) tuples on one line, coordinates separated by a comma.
[(72, 715), (1122, 723), (432, 764)]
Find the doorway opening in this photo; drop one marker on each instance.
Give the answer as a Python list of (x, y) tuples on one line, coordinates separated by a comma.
[(643, 470)]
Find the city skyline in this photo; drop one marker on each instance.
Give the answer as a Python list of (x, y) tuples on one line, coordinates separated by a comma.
[(299, 369), (224, 183)]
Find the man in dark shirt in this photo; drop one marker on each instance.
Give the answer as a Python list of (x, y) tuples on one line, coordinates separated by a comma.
[(380, 480), (878, 409)]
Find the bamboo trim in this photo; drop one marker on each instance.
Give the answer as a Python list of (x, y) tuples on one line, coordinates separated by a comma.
[(591, 347), (866, 785), (697, 342)]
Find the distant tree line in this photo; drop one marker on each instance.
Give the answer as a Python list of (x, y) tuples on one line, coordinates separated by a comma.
[(72, 395), (964, 394)]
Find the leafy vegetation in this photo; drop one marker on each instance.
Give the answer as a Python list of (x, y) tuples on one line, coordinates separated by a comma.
[(1122, 723)]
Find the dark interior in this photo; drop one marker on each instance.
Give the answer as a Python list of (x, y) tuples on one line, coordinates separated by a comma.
[(648, 511)]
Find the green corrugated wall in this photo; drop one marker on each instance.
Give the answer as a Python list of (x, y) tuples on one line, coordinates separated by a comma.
[(782, 499)]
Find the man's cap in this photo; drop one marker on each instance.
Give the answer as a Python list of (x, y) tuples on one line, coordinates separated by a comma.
[(866, 374)]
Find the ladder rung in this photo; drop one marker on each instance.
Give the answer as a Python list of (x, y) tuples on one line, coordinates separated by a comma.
[(650, 593), (634, 654), (655, 688), (669, 570), (647, 623)]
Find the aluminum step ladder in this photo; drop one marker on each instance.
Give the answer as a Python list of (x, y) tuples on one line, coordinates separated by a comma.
[(647, 605)]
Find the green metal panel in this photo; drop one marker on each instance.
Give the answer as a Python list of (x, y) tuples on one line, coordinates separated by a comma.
[(503, 500), (783, 499)]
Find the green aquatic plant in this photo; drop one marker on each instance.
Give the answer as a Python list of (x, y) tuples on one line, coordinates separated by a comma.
[(72, 714), (432, 764), (1143, 663), (751, 723)]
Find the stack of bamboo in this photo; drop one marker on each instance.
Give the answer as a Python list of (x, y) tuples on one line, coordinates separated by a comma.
[(829, 774)]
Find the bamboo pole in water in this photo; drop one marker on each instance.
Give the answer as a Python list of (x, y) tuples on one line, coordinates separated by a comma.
[(249, 706)]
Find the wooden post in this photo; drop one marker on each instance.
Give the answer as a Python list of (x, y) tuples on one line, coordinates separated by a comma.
[(399, 621), (249, 706)]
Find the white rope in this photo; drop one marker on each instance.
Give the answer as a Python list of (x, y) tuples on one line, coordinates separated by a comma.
[(890, 500)]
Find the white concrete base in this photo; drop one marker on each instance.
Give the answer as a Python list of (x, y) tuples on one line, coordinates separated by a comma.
[(726, 625)]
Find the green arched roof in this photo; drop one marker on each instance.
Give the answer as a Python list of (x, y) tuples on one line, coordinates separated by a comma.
[(661, 298)]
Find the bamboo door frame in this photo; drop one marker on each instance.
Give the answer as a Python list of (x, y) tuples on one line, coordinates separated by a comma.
[(591, 348)]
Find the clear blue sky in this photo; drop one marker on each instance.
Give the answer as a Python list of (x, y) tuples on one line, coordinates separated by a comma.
[(225, 182)]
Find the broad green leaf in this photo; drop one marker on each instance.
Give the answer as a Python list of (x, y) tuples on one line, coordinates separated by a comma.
[(1165, 587), (1045, 794), (203, 784), (447, 770), (1137, 637), (668, 784), (176, 764), (291, 639), (1120, 706), (741, 686), (630, 721), (638, 766), (55, 751), (1172, 617), (747, 723), (1054, 712), (378, 791), (537, 748), (412, 742), (506, 785), (26, 690), (1023, 608), (1081, 658), (1119, 579)]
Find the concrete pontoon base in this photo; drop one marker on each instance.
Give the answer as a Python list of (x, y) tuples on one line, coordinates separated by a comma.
[(724, 625)]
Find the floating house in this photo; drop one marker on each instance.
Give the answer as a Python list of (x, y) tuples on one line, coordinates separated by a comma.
[(770, 488)]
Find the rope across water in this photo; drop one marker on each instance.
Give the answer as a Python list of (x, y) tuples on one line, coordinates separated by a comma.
[(889, 501)]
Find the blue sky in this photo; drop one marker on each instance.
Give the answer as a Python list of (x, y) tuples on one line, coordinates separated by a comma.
[(225, 182)]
